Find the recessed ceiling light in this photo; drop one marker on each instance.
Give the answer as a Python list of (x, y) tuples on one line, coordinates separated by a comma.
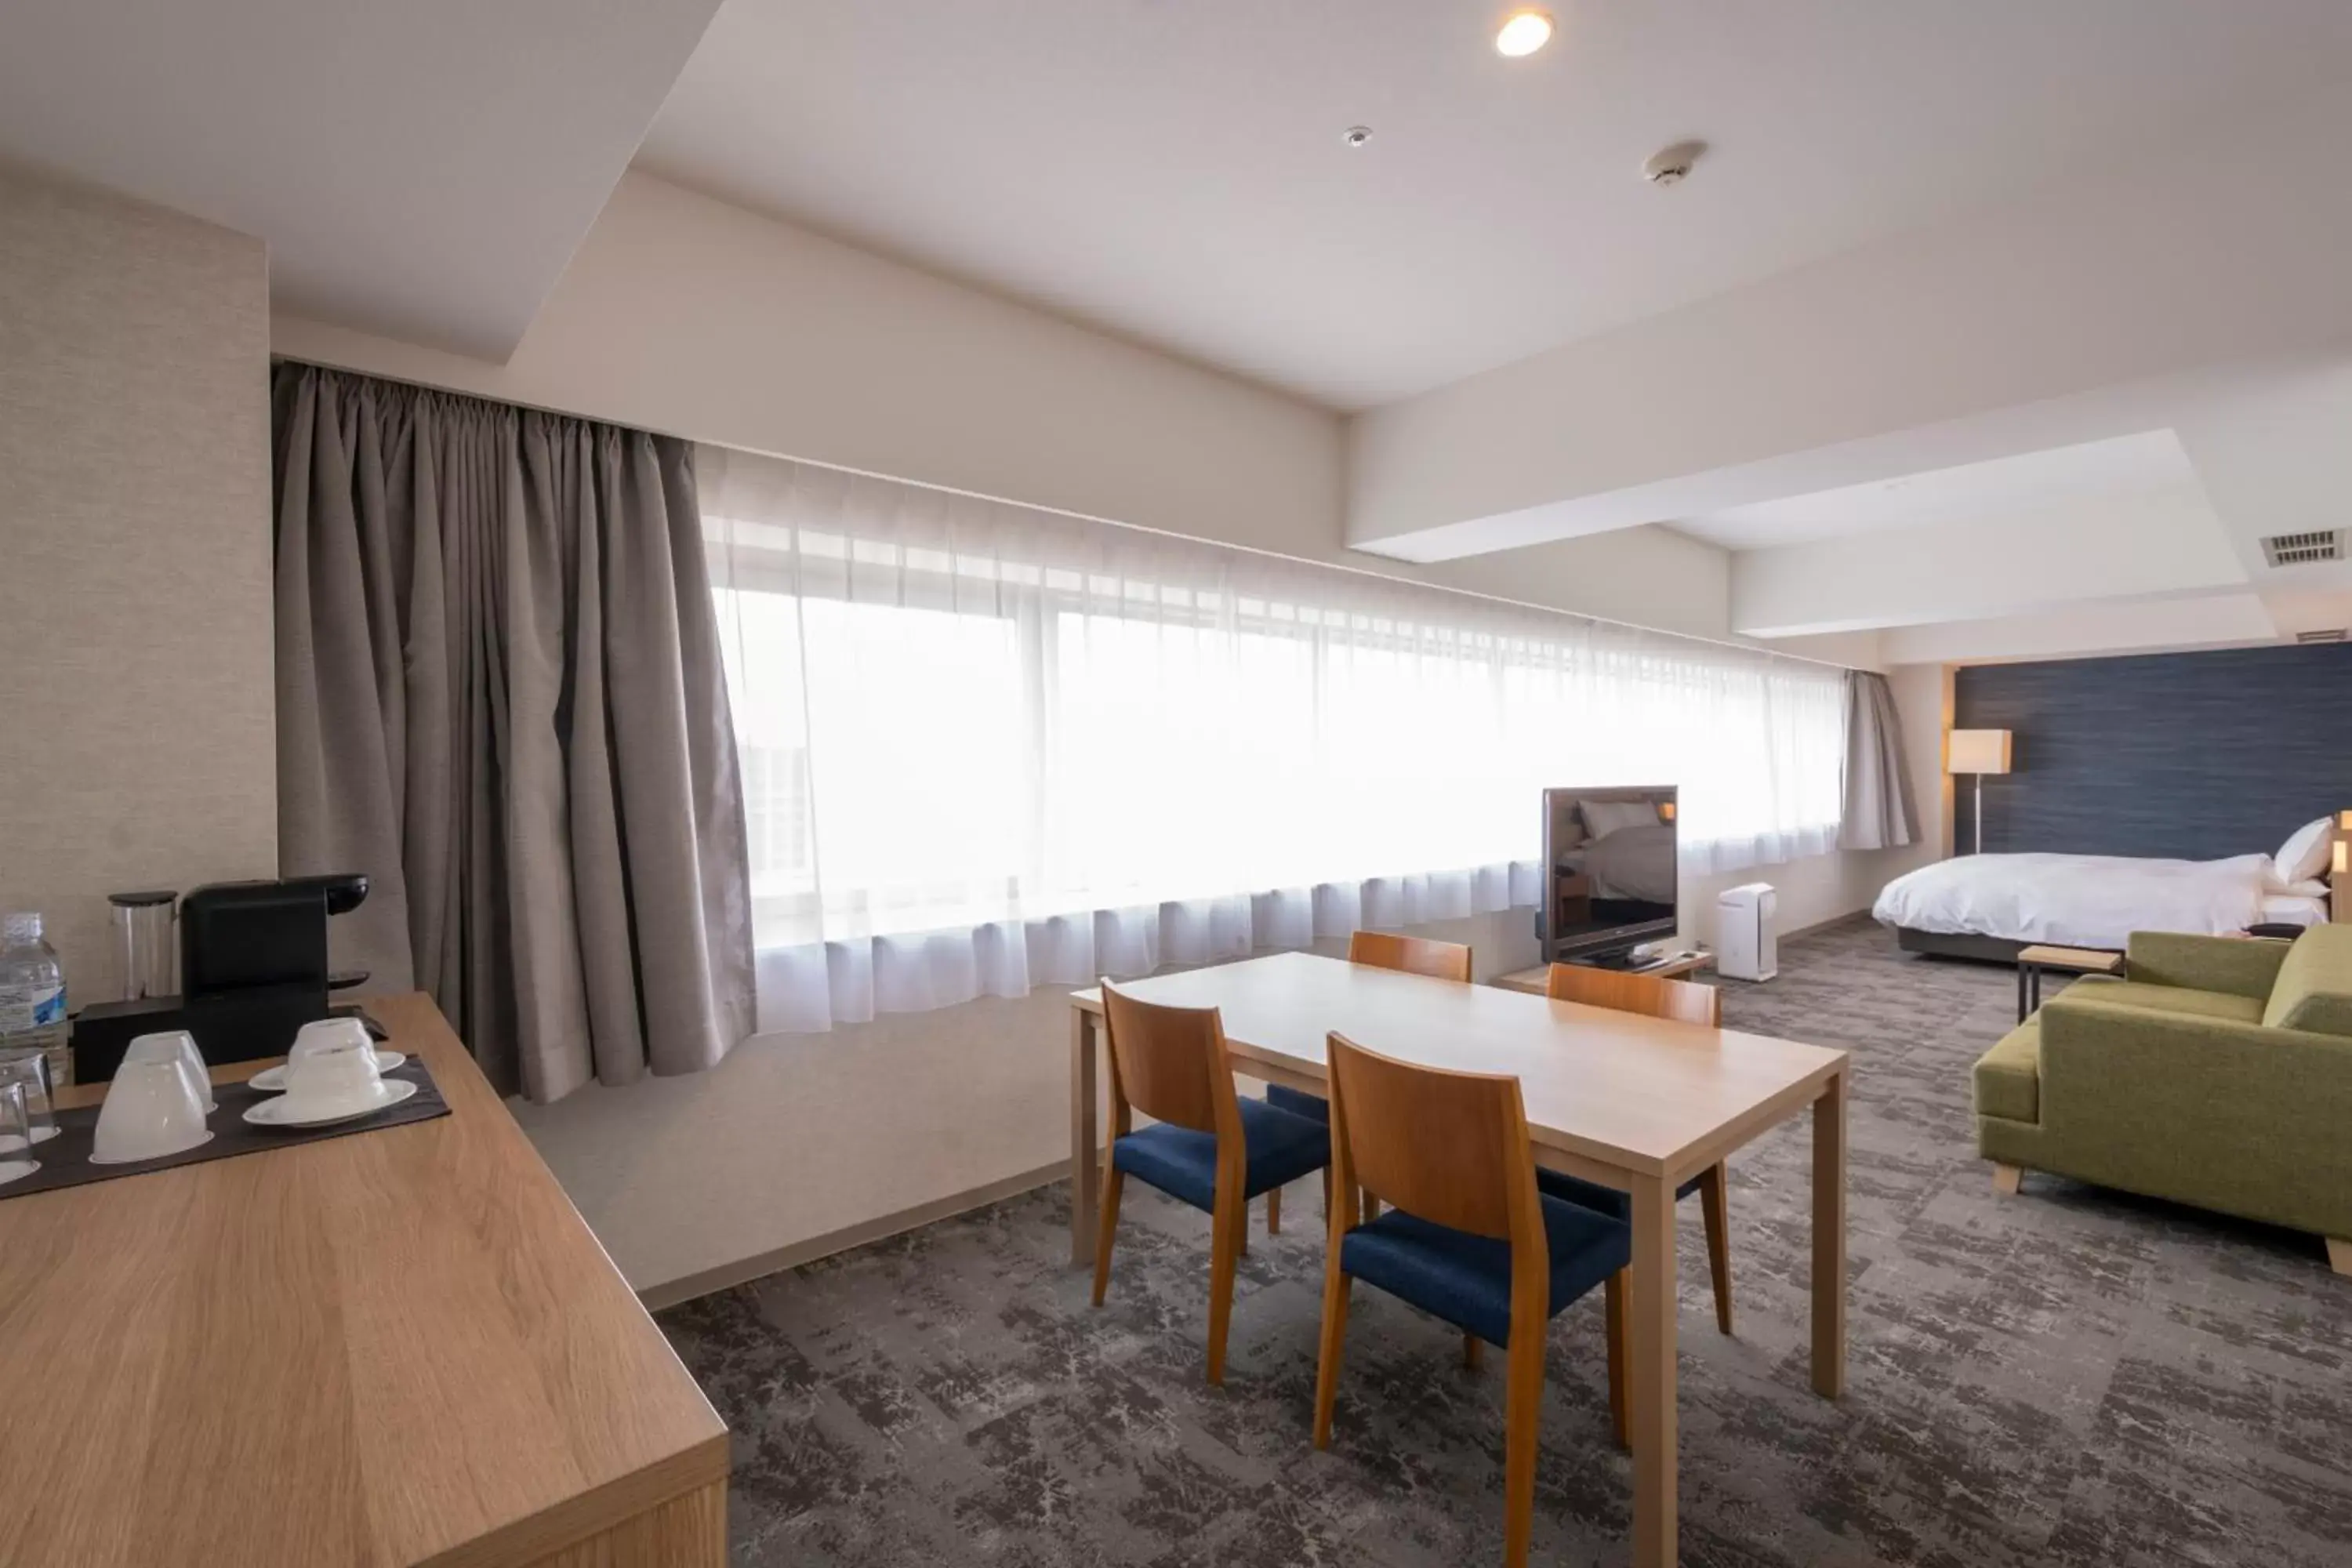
[(1356, 135), (1523, 33)]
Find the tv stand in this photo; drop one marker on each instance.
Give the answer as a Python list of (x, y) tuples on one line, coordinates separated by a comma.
[(1666, 968)]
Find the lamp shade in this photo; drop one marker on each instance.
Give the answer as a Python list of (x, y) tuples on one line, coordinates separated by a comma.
[(1977, 752)]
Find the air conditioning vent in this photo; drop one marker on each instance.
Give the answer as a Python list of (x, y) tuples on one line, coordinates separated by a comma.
[(2302, 549), (2331, 635)]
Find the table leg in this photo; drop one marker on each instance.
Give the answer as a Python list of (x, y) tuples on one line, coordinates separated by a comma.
[(1650, 1314), (1085, 1137), (2021, 1009), (1829, 1239)]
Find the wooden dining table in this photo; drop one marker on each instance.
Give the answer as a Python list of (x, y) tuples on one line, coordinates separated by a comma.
[(1635, 1103)]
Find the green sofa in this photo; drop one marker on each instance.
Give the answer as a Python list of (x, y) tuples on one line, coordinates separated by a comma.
[(2218, 1073)]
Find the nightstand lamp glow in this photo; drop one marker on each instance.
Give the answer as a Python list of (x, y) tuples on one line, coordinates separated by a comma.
[(1978, 751)]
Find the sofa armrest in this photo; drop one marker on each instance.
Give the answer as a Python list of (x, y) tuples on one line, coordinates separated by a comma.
[(2239, 965), (2234, 1116)]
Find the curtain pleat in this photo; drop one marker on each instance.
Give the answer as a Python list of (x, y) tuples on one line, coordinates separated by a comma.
[(499, 695), (1880, 812)]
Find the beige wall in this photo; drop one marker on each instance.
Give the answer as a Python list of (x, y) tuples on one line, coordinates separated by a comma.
[(136, 716), (693, 317), (795, 1138)]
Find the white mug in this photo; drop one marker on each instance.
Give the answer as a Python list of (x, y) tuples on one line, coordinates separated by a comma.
[(194, 1061), (334, 1075), (154, 1107)]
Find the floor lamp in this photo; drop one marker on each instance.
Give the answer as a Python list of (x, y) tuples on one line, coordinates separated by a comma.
[(1978, 751)]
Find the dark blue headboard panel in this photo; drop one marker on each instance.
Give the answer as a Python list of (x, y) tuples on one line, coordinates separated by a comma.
[(2189, 756)]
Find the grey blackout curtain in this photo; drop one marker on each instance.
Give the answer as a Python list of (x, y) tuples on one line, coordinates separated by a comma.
[(1880, 812), (499, 695)]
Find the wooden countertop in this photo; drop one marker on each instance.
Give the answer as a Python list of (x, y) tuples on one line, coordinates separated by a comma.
[(396, 1347)]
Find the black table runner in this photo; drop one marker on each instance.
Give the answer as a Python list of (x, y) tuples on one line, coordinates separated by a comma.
[(65, 1159)]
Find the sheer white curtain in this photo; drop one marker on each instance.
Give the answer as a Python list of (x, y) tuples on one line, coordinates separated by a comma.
[(986, 747)]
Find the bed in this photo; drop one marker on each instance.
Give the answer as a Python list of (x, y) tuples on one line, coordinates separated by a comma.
[(1989, 906)]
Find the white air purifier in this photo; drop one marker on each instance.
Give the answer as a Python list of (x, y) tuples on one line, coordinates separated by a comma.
[(1744, 945)]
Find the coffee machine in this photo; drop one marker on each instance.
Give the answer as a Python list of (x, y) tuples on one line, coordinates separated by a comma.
[(253, 970)]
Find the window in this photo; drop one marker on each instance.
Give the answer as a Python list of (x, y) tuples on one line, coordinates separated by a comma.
[(957, 716)]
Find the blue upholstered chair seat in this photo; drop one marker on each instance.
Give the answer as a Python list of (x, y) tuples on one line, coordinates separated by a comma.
[(1554, 1184), (1298, 1102), (1466, 1280), (1183, 1164), (1596, 1197)]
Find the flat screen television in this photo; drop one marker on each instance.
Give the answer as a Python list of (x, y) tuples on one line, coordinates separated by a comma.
[(1611, 871)]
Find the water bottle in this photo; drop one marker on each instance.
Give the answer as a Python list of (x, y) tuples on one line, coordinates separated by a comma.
[(33, 995)]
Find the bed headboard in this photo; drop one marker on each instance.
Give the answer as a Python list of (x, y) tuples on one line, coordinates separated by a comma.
[(2188, 756)]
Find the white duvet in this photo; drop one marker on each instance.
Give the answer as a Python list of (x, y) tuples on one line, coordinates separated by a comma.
[(2076, 900)]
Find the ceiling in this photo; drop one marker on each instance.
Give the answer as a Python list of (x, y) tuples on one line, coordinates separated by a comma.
[(2091, 471), (1173, 170), (422, 170)]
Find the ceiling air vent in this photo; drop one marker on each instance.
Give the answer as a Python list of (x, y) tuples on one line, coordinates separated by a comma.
[(2333, 634), (2302, 549)]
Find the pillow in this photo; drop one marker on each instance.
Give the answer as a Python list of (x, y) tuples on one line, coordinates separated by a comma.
[(2314, 889), (1604, 817), (2303, 857)]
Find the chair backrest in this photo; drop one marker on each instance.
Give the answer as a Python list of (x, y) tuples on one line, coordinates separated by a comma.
[(1449, 1147), (1169, 1063), (1413, 954), (1686, 1001)]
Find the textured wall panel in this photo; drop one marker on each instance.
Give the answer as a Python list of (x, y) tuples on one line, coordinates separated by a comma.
[(137, 729), (2191, 755)]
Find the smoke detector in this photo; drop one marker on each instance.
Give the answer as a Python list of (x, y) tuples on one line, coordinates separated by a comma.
[(1670, 166)]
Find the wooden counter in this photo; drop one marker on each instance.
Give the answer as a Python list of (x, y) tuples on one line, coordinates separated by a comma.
[(397, 1347)]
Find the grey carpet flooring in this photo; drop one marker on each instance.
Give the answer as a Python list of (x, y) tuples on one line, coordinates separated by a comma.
[(2074, 1377)]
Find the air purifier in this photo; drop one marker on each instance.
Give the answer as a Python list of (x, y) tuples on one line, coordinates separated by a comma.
[(1744, 944)]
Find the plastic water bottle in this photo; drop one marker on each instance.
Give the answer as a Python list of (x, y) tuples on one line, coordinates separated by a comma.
[(33, 995)]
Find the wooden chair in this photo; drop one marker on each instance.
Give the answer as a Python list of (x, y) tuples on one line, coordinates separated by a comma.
[(1210, 1148), (1469, 1238), (1380, 950), (1685, 1001)]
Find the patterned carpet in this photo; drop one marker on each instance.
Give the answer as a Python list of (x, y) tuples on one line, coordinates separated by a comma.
[(2072, 1378)]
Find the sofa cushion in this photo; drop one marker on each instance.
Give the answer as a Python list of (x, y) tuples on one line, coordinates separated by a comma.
[(2315, 985), (2168, 999), (2009, 1076)]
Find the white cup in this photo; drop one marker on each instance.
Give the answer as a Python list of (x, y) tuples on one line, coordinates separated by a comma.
[(333, 1076), (318, 1035), (154, 1107), (194, 1061)]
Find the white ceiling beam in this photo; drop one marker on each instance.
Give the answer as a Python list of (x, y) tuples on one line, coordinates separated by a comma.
[(2141, 626), (1929, 350), (2166, 542)]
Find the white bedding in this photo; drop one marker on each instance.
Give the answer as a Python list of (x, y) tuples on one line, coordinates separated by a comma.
[(2078, 901)]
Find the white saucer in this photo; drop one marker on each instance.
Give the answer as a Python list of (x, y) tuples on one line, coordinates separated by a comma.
[(274, 1112), (272, 1081), (165, 1156)]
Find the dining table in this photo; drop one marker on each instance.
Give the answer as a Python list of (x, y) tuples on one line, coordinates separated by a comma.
[(1635, 1103)]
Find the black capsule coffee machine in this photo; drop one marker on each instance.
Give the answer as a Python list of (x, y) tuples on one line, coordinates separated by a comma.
[(253, 970)]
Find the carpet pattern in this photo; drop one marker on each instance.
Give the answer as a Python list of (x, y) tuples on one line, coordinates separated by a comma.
[(2074, 1377)]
